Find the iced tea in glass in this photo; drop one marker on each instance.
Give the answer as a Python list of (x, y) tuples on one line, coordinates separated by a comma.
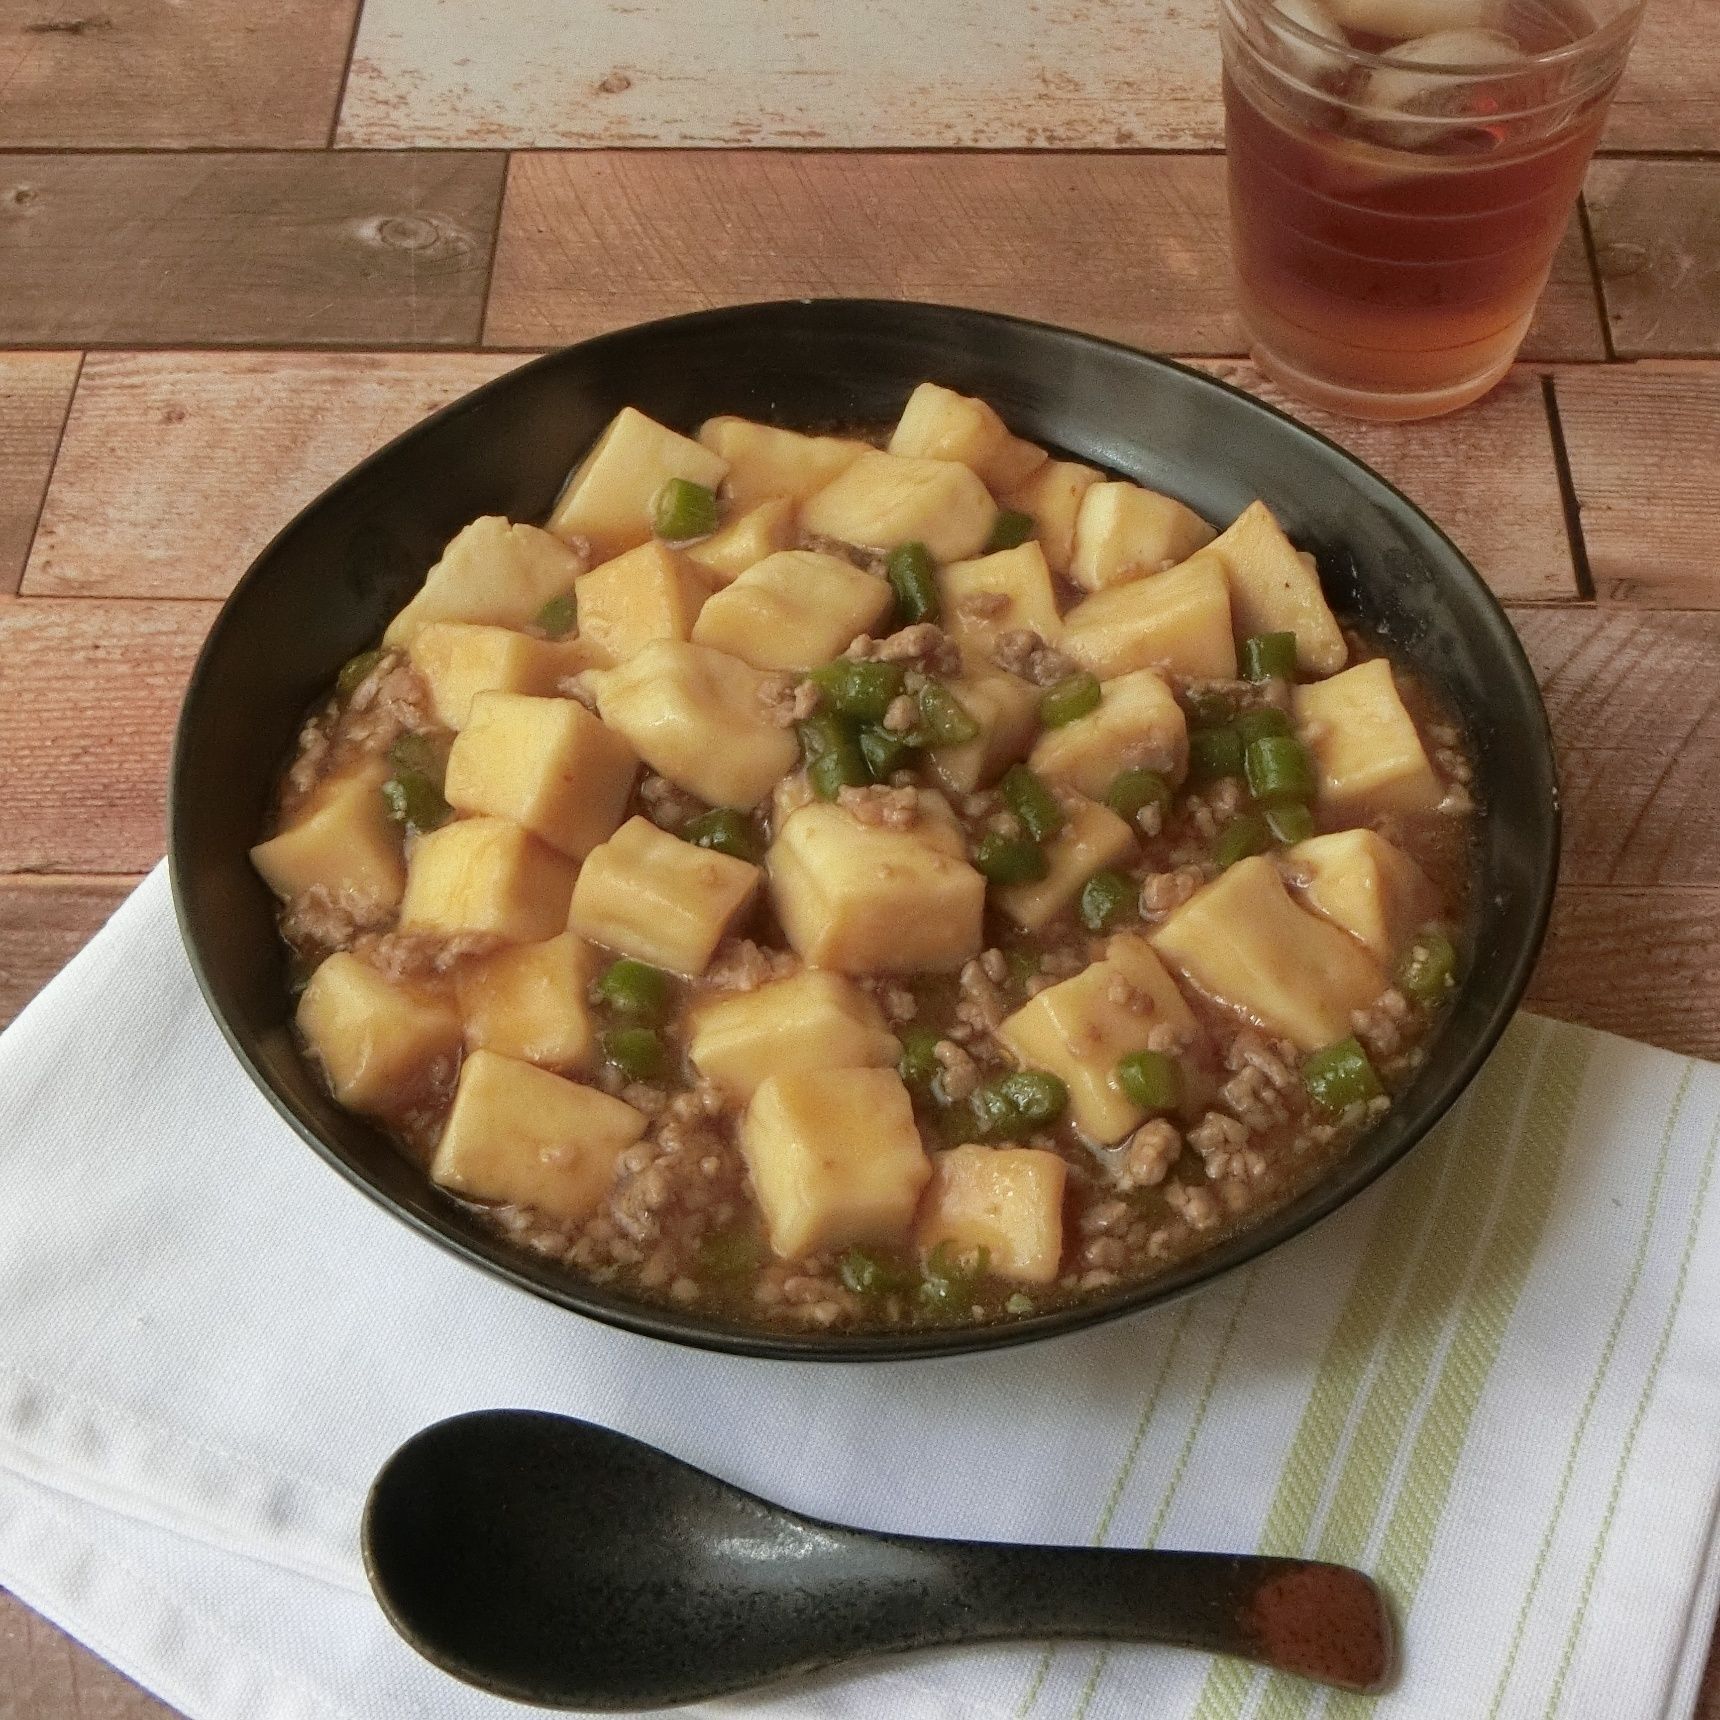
[(1401, 173)]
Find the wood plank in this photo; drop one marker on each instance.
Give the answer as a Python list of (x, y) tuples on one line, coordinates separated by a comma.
[(217, 250), (1643, 963), (967, 74), (1669, 97), (88, 696), (177, 468), (1634, 698), (1656, 228), (159, 74), (1130, 246), (45, 1675), (1489, 478), (1644, 445), (44, 922), (35, 390)]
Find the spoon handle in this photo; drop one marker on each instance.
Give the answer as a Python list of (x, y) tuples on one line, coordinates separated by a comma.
[(1320, 1621)]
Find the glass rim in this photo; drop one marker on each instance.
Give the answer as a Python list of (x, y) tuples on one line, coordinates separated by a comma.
[(1597, 40)]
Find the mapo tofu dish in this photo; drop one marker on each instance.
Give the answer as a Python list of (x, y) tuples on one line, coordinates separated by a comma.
[(870, 881)]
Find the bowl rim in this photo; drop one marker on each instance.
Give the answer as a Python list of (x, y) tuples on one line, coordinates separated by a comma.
[(1346, 1179)]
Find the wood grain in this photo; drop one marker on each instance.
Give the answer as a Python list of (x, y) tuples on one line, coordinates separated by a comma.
[(35, 390), (1644, 447), (1493, 486), (88, 695), (1634, 699), (1130, 246), (105, 74), (308, 250), (44, 922), (1669, 97), (45, 1675), (177, 468), (1656, 227)]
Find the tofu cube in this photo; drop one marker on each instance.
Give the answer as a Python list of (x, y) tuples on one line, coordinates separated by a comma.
[(996, 594), (1275, 589), (1079, 1031), (793, 610), (939, 424), (863, 898), (1177, 621), (835, 1158), (1244, 942), (1093, 838), (485, 875), (529, 1002), (1052, 496), (379, 1043), (648, 894), (1007, 711), (520, 1135), (1006, 1200), (748, 538), (651, 592), (1365, 745), (491, 572), (1369, 886), (1138, 724), (546, 764), (883, 500), (1123, 532), (607, 502), (811, 1020), (343, 841), (765, 461), (457, 660), (698, 717)]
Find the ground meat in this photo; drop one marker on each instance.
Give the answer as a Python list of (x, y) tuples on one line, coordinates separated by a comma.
[(1197, 1207), (741, 965), (1106, 1218), (314, 919), (416, 955), (924, 643), (665, 805), (1146, 1160), (315, 738), (1274, 1060), (1161, 892), (995, 965), (1022, 652), (960, 1073), (981, 1005), (1167, 1037), (1380, 1026), (892, 808), (897, 1002), (390, 701), (787, 699), (1125, 996), (579, 689), (903, 715), (983, 605), (1254, 1099)]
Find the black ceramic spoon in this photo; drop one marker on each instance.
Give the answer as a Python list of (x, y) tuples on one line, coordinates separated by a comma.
[(555, 1562)]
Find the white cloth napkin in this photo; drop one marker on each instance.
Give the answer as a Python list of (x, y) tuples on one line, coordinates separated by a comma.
[(1494, 1381)]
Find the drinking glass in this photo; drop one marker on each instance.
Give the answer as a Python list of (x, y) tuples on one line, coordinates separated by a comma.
[(1401, 173)]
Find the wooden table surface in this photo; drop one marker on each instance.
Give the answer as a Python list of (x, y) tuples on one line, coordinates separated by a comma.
[(242, 245)]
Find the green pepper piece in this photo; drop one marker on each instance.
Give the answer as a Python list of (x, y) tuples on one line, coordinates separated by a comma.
[(885, 753), (918, 1064), (729, 1254), (638, 1052), (558, 617), (1269, 656), (1290, 823), (864, 691), (1032, 802), (1257, 724), (1240, 838), (353, 672), (1429, 966), (1010, 859), (1010, 531), (415, 801), (1107, 899), (1023, 966), (1279, 768), (1137, 788), (1019, 1303), (725, 830), (1076, 695), (1036, 1097), (417, 753), (944, 720), (868, 1273), (1210, 710), (950, 1283), (832, 753), (1151, 1080), (683, 510), (1339, 1076), (1214, 753), (909, 571), (635, 989)]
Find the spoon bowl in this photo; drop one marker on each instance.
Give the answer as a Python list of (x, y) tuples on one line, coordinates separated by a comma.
[(557, 1562)]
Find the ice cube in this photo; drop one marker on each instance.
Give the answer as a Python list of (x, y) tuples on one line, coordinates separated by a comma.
[(1400, 20), (1402, 105), (1299, 57)]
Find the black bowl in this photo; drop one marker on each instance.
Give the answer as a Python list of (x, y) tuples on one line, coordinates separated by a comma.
[(324, 589)]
